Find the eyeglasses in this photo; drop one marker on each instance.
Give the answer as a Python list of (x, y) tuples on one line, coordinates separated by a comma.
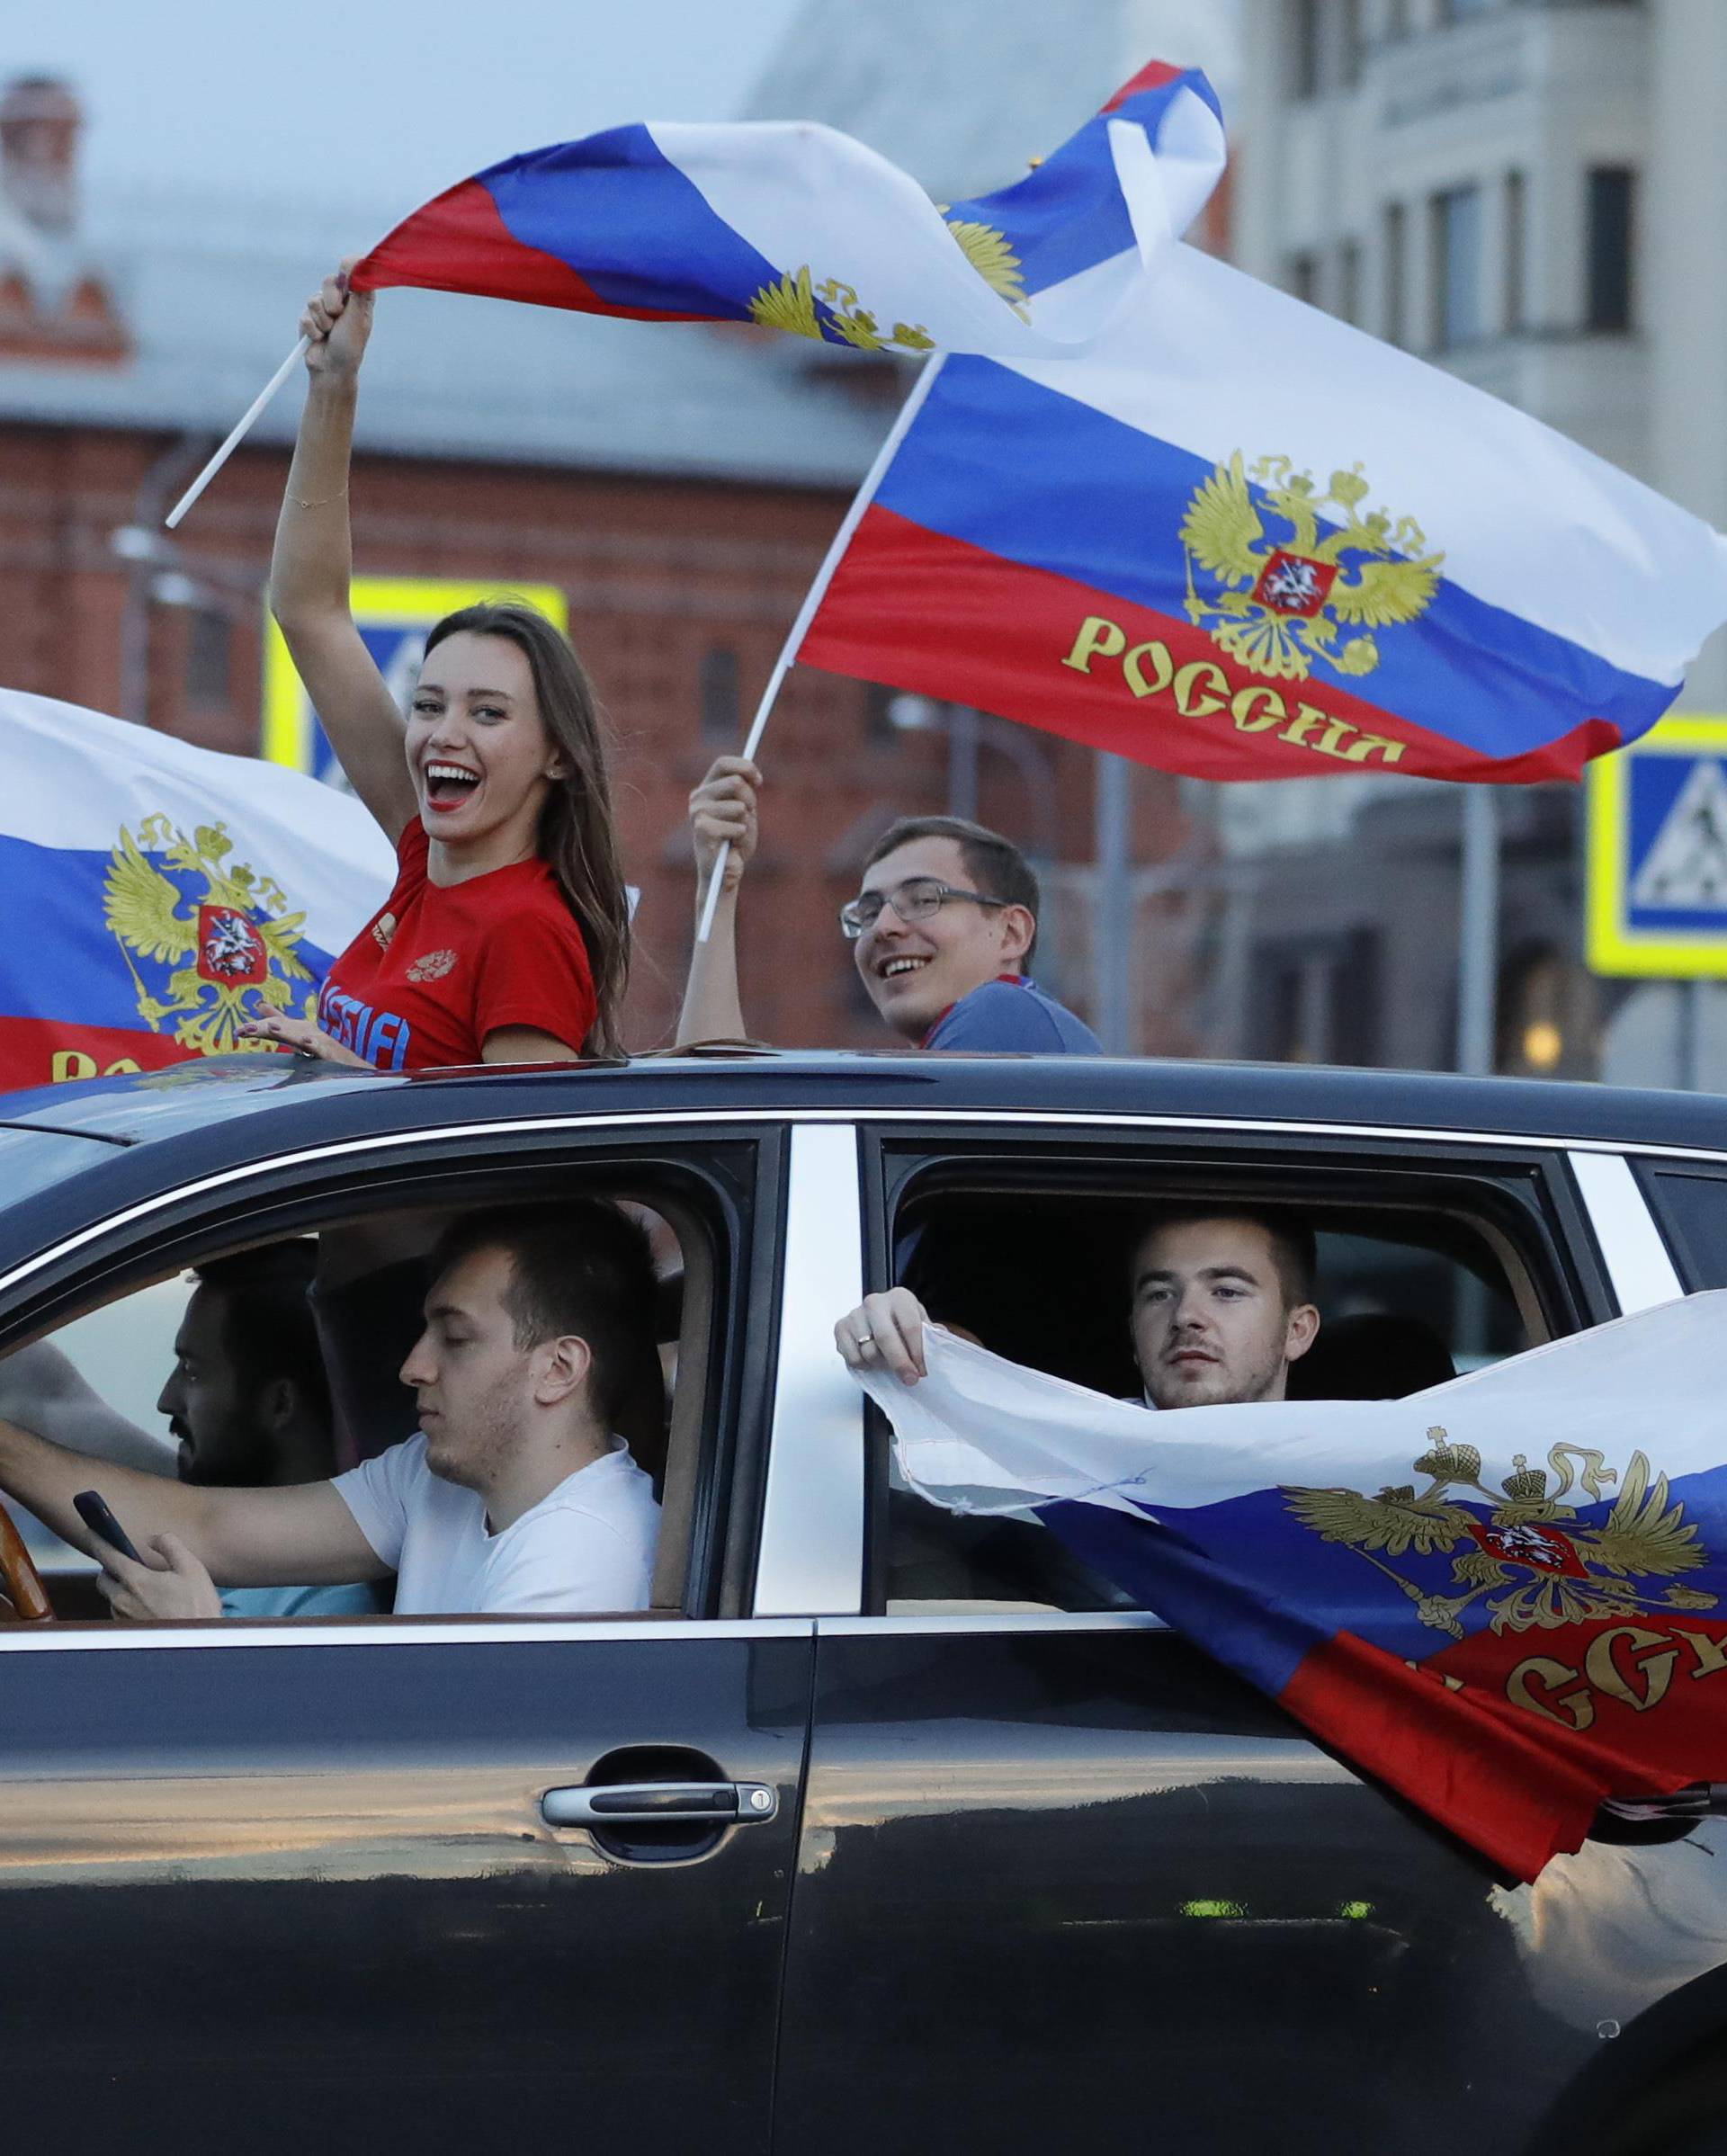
[(915, 899)]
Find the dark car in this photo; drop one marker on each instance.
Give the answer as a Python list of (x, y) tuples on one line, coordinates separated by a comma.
[(968, 1871)]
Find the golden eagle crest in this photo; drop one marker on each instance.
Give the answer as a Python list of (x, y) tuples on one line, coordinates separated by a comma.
[(1580, 1573), (210, 932), (842, 319), (1277, 604)]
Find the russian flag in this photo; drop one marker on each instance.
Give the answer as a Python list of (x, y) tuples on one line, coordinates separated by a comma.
[(156, 891), (795, 227), (1505, 1597), (1239, 539)]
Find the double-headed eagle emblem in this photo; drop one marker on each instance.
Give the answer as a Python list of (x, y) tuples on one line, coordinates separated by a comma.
[(1557, 1570), (213, 927), (831, 312), (1278, 605)]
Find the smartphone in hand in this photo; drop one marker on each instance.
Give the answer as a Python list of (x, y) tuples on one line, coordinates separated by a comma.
[(93, 1508)]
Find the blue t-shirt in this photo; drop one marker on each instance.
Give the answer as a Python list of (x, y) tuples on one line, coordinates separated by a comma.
[(361, 1600), (1013, 1014)]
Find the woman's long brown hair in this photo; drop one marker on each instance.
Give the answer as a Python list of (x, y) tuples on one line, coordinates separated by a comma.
[(578, 838)]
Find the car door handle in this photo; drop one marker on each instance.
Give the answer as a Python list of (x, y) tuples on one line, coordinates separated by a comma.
[(659, 1803)]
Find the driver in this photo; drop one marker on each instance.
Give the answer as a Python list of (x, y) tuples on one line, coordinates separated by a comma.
[(514, 1496)]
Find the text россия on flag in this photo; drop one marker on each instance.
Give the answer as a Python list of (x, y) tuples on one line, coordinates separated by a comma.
[(794, 226), (159, 891), (1505, 1597), (1239, 539)]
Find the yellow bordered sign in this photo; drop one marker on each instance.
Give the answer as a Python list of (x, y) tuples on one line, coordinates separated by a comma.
[(392, 615), (1656, 853)]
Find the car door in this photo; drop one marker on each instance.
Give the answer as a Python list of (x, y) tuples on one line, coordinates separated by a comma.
[(282, 1887), (1063, 1880)]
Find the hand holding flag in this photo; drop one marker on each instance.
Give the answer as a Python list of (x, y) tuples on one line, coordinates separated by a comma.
[(1509, 1646), (793, 225)]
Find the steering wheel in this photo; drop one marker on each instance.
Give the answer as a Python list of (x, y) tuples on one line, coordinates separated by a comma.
[(23, 1583)]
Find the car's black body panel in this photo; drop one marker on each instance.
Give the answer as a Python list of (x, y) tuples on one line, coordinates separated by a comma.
[(1082, 1886), (296, 1898)]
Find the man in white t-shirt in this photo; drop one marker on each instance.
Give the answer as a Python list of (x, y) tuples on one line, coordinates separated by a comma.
[(515, 1497)]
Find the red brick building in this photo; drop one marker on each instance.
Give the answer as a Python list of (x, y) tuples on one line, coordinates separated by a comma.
[(679, 484)]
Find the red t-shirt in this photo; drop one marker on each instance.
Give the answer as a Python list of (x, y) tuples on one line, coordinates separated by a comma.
[(442, 966)]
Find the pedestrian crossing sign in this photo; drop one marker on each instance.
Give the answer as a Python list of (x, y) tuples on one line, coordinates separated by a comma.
[(392, 615), (1657, 867)]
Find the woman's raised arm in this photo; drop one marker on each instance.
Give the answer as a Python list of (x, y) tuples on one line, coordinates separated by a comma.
[(313, 561)]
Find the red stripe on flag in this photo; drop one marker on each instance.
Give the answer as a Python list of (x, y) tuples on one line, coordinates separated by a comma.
[(460, 243), (44, 1051), (1513, 1785), (917, 610), (1151, 76)]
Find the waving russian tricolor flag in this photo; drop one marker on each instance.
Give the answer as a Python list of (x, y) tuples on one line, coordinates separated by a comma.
[(155, 891), (1239, 539), (1505, 1597), (795, 227)]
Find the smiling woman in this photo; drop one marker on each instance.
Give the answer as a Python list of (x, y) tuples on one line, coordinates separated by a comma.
[(505, 937)]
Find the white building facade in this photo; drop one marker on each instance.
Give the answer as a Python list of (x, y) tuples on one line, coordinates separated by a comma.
[(1532, 193)]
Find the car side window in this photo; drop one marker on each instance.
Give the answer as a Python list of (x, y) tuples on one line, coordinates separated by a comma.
[(1409, 1296), (1691, 1206), (284, 1361)]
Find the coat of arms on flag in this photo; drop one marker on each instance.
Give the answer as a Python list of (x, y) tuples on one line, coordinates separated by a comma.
[(238, 940), (1278, 605), (1559, 1570)]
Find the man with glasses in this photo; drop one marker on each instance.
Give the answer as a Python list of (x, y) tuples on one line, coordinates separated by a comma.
[(941, 931)]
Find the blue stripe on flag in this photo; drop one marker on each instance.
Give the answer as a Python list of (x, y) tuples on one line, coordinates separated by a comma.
[(630, 223), (1013, 467), (58, 958), (1069, 214)]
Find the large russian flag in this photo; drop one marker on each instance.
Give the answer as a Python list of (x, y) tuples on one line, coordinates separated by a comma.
[(1506, 1596), (1239, 539), (796, 227), (156, 891)]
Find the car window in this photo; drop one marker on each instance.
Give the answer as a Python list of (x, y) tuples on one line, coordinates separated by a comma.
[(1411, 1294), (281, 1360), (1691, 1205)]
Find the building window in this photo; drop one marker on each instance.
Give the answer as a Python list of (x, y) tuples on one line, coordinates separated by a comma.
[(1350, 44), (1456, 227), (1302, 277), (1460, 10), (1610, 209), (879, 724), (210, 656), (1304, 48), (1349, 280), (720, 694), (1516, 215), (1393, 241)]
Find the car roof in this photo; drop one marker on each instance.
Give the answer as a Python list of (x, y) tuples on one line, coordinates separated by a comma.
[(270, 1094)]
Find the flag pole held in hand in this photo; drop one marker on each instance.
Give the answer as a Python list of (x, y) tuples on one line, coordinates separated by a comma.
[(243, 426), (813, 598)]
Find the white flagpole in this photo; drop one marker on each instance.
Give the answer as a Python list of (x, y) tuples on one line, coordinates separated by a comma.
[(813, 598), (240, 430)]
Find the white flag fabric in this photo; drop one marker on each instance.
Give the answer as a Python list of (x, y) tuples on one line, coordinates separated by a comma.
[(159, 891), (1507, 1596)]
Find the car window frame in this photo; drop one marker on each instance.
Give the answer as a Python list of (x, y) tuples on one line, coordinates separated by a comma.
[(1562, 1216), (1651, 1173), (454, 1164)]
